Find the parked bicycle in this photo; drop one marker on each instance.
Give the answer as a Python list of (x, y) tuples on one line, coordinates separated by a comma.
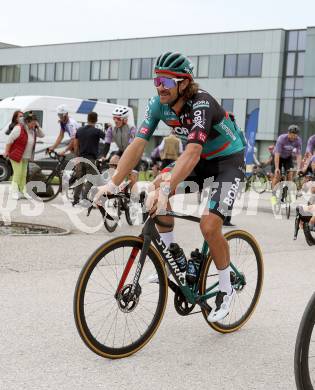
[(116, 308), (304, 362)]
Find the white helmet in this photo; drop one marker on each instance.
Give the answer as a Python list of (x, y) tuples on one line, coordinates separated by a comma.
[(121, 112), (62, 109)]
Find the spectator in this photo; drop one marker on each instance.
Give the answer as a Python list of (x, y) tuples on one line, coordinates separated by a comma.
[(101, 147), (14, 121), (122, 134), (86, 145), (170, 148), (67, 125), (20, 149)]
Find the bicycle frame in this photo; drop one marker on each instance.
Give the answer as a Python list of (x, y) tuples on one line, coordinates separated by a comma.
[(150, 233)]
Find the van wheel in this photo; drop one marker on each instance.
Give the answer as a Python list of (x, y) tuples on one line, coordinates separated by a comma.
[(5, 170)]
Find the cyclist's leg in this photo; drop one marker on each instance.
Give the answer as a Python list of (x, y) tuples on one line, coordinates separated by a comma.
[(80, 172), (230, 174)]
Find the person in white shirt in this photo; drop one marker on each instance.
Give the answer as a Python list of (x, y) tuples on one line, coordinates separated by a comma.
[(67, 125), (20, 150)]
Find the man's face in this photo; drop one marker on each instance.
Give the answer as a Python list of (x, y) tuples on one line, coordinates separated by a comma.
[(119, 122), (292, 136), (167, 95), (63, 118)]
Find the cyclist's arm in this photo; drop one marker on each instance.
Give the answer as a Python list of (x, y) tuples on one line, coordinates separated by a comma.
[(299, 161), (129, 160), (76, 146), (277, 160), (58, 140), (70, 146), (184, 165)]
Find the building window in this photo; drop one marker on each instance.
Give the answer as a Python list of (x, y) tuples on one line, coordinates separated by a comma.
[(50, 72), (33, 72), (104, 70), (203, 66), (114, 69), (141, 68), (194, 61), (228, 104), (230, 65), (243, 65), (10, 74), (134, 104), (255, 67)]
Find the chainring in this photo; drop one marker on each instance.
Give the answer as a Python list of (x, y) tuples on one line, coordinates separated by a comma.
[(182, 306)]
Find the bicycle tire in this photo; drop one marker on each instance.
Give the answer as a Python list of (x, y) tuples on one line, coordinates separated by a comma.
[(287, 209), (80, 304), (53, 186), (223, 326), (309, 236), (110, 221), (302, 345)]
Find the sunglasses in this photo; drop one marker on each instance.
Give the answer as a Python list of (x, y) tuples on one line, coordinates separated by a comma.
[(166, 82)]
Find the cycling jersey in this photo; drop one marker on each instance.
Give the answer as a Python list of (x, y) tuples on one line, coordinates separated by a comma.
[(310, 148), (285, 146), (202, 121), (122, 136), (70, 127)]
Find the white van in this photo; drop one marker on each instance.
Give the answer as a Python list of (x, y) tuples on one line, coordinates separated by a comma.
[(45, 108)]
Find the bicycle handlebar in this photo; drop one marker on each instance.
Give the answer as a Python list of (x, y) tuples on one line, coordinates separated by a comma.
[(54, 155)]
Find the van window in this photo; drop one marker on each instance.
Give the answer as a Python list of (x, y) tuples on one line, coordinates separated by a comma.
[(5, 117)]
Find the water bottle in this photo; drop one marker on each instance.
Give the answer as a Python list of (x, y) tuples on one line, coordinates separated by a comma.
[(179, 256), (193, 267)]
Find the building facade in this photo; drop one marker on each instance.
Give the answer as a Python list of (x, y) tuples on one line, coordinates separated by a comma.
[(273, 70)]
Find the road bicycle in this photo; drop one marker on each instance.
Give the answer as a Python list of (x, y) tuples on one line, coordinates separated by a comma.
[(114, 205), (284, 196), (257, 180), (117, 310), (304, 354)]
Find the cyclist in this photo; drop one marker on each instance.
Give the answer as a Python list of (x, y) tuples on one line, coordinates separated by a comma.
[(67, 125), (309, 154), (122, 134), (215, 149), (285, 145)]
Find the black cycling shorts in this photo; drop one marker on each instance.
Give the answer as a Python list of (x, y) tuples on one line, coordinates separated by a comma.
[(221, 178), (286, 163)]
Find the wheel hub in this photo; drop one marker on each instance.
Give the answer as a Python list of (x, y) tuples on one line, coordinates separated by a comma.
[(126, 302)]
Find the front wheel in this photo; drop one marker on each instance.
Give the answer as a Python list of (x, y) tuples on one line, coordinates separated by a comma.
[(50, 185), (304, 367), (113, 322), (246, 257)]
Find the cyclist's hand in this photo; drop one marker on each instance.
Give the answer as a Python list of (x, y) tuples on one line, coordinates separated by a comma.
[(156, 202), (49, 150), (102, 191), (277, 172), (62, 153)]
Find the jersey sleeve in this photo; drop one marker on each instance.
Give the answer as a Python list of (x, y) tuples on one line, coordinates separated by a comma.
[(151, 119), (109, 135), (201, 117), (310, 145), (299, 146), (132, 135)]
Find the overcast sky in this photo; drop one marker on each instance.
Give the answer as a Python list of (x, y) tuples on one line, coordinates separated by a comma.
[(37, 22)]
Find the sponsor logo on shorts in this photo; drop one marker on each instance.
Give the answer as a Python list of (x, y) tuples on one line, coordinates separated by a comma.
[(231, 195)]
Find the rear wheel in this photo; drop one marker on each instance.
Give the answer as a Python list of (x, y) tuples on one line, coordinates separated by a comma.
[(117, 324), (309, 234), (246, 256), (5, 170), (304, 363), (50, 185)]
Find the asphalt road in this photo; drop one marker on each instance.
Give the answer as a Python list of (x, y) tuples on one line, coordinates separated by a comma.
[(40, 347)]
